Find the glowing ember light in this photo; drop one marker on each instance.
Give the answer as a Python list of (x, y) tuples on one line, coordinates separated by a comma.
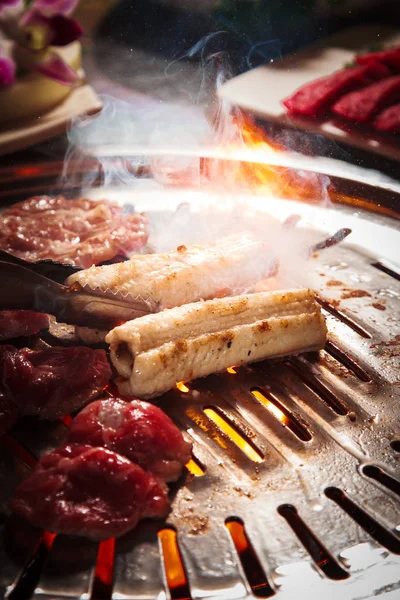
[(271, 407), (234, 435), (231, 370), (175, 573), (194, 468), (105, 562), (48, 539), (182, 387)]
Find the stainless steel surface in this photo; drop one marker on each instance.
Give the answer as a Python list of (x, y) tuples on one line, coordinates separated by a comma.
[(346, 398)]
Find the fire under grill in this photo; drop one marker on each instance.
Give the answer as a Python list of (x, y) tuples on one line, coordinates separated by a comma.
[(294, 484)]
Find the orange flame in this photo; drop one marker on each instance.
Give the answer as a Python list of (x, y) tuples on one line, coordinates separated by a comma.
[(251, 167), (182, 387), (270, 406)]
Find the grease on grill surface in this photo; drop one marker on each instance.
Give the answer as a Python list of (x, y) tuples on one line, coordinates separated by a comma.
[(367, 507)]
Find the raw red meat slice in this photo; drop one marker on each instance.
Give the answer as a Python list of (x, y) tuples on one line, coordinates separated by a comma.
[(362, 105), (54, 382), (87, 491), (81, 232), (138, 430), (390, 58), (16, 323), (316, 97), (389, 119)]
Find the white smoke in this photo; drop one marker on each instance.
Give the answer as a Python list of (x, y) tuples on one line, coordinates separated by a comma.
[(168, 141)]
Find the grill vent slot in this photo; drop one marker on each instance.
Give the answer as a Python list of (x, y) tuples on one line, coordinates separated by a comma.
[(281, 414), (374, 472), (103, 575), (195, 467), (344, 318), (19, 450), (395, 445), (386, 269), (321, 557), (348, 362), (30, 574), (364, 520), (234, 434), (318, 388), (174, 569), (251, 565)]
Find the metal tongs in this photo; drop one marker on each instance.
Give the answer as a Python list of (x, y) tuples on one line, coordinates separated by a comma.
[(35, 286)]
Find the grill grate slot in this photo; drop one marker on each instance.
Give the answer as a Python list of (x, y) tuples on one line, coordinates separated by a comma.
[(318, 388), (104, 572), (174, 569), (195, 467), (30, 574), (233, 432), (330, 308), (376, 473), (381, 266), (364, 520), (8, 441), (251, 565), (321, 557), (282, 414), (395, 445), (253, 465), (348, 362)]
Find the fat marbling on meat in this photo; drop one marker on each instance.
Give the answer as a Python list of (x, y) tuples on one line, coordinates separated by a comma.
[(88, 491), (81, 232), (138, 430), (54, 382)]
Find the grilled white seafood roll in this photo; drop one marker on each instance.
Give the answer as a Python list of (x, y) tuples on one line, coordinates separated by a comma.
[(185, 275), (154, 352)]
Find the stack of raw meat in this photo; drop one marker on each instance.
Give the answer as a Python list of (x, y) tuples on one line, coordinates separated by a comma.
[(50, 382), (367, 93), (111, 472), (118, 456)]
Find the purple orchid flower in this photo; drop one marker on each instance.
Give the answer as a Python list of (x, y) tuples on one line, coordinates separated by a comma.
[(53, 31), (7, 71), (50, 8), (35, 30), (4, 4)]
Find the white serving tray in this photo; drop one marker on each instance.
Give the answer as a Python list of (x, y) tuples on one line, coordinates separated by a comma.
[(261, 90), (82, 100)]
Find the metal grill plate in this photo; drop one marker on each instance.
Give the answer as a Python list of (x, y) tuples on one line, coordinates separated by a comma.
[(359, 372)]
